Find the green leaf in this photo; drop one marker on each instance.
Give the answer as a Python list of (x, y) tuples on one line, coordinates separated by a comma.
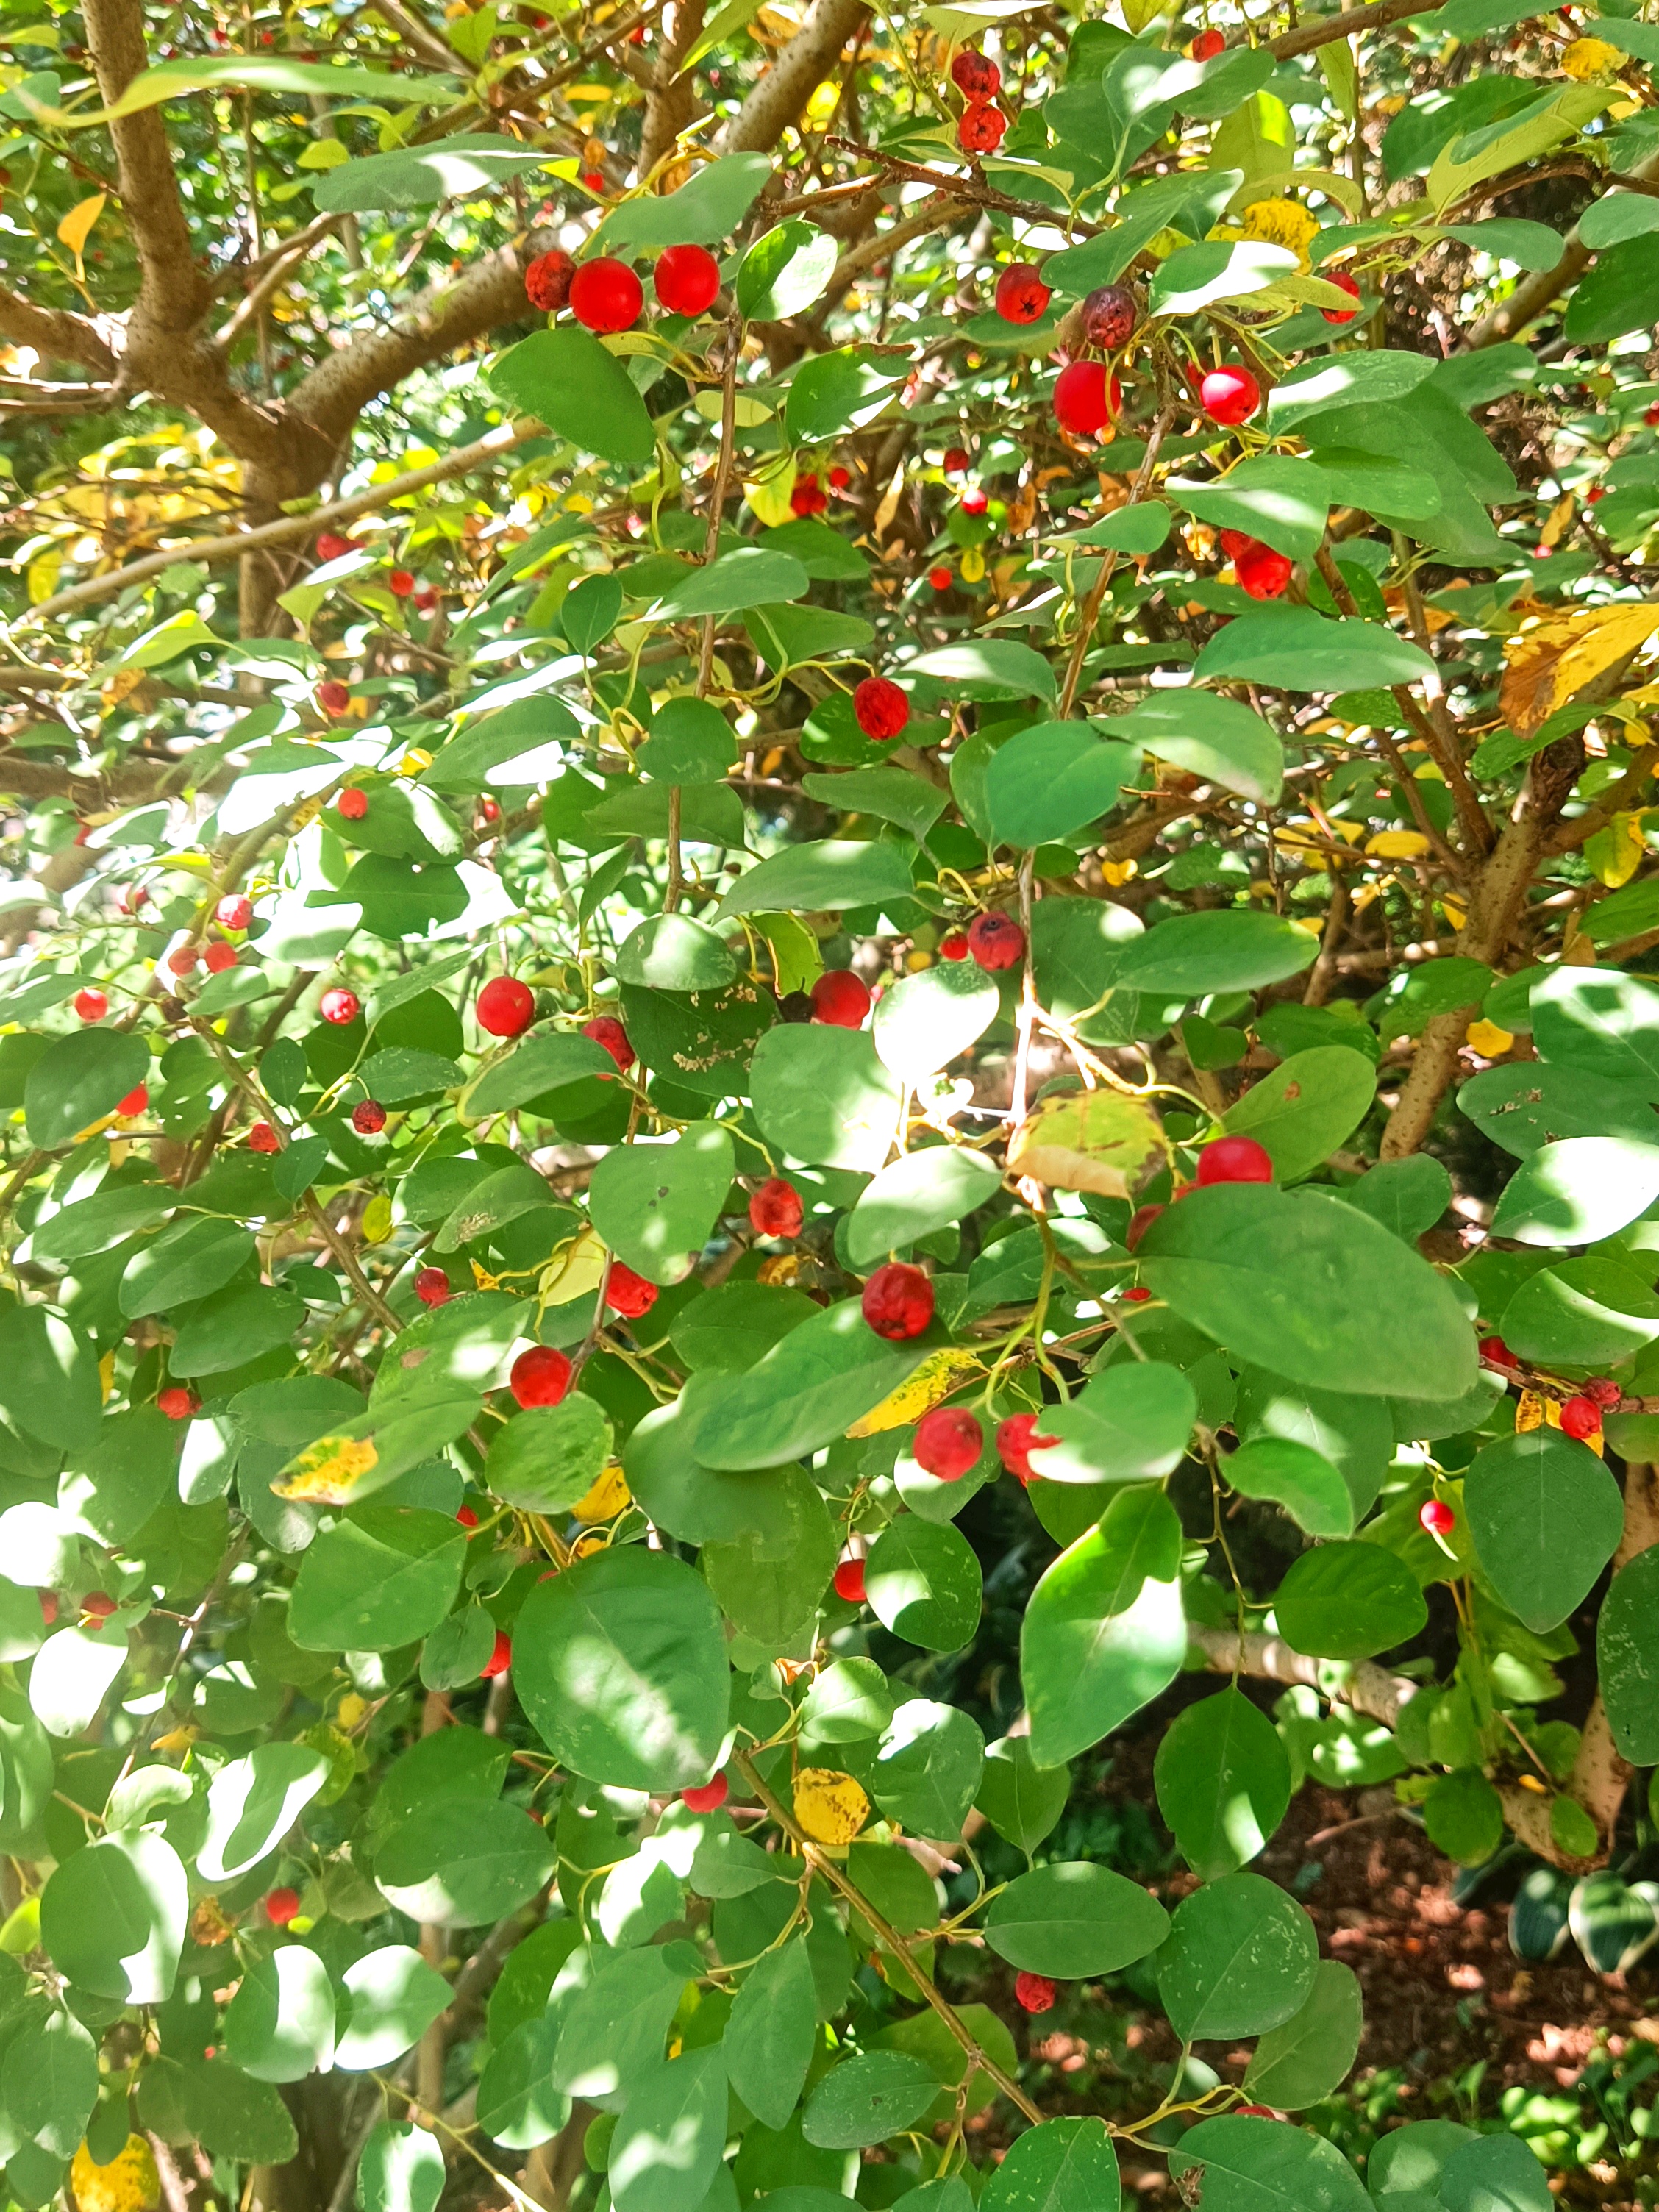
[(866, 2098), (1198, 276), (1464, 1816), (820, 1095), (1313, 1289), (1053, 779), (1599, 1022), (280, 2024), (566, 380), (464, 166), (1582, 1313), (392, 1998), (1192, 954), (1068, 2164), (1577, 1191), (667, 2147), (705, 210), (614, 2026), (1294, 1475), (1131, 1421), (807, 1390), (831, 390), (252, 1803), (1022, 1801), (517, 2103), (49, 2083), (1072, 1920), (748, 576), (1499, 2173), (1525, 1106), (1349, 1600), (770, 1576), (928, 1767), (401, 2169), (97, 1224), (924, 1191), (672, 952), (832, 874), (399, 1073), (1545, 1516), (1279, 499), (1409, 2162), (892, 795), (1298, 649), (1220, 739), (773, 2032), (1087, 1667), (49, 1384), (1627, 1658), (1340, 379), (547, 1458), (654, 1204), (1306, 1108), (466, 1874), (620, 1663), (1239, 1959), (987, 668), (785, 270), (79, 1080), (924, 1022), (229, 1329), (540, 1065), (1222, 1782), (191, 1260), (1307, 2057), (924, 1583), (1268, 2165), (174, 80), (377, 1580), (113, 1917)]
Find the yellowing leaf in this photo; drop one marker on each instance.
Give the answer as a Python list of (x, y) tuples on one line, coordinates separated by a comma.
[(329, 1471), (1091, 1140), (606, 1499), (377, 1219), (1616, 852), (1550, 662), (930, 1385), (1397, 845), (1487, 1039), (77, 227), (830, 1807), (129, 2183), (42, 576), (768, 498)]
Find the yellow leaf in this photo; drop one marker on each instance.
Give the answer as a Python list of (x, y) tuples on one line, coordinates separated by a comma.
[(106, 1375), (377, 1219), (1397, 845), (1098, 1140), (129, 2183), (43, 575), (1551, 661), (330, 1471), (931, 1384), (606, 1499), (769, 497), (1487, 1039), (77, 227), (973, 565), (830, 1807), (1533, 1412), (1117, 873), (350, 1709), (1616, 852)]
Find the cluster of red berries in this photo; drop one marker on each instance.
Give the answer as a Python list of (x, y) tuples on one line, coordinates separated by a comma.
[(807, 496), (1261, 571), (604, 296), (982, 126)]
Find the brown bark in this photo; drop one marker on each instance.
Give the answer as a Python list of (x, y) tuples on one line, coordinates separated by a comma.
[(776, 101), (672, 102)]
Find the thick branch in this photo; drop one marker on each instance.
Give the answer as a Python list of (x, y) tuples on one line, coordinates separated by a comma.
[(778, 98), (1368, 1689), (1533, 295), (1325, 28), (173, 290), (55, 334)]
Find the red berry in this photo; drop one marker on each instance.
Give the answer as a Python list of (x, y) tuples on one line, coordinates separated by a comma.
[(1207, 45), (897, 1302), (135, 1101), (629, 1294), (808, 496), (1496, 1352), (352, 803), (1651, 418), (1234, 1159), (849, 1581), (956, 460), (1602, 1390), (178, 1404), (608, 1033), (687, 279), (839, 477), (48, 1601), (540, 1377), (338, 1005), (1137, 1297), (333, 696), (1581, 1416), (236, 912), (976, 500), (500, 1659), (1253, 2113), (489, 810), (976, 75), (1437, 1516), (1343, 283), (1080, 401), (880, 709), (955, 947), (547, 281), (281, 1905), (1595, 492), (1261, 572), (606, 295), (941, 578), (262, 1138), (400, 584), (1036, 1992), (219, 956), (1139, 1222), (368, 1117), (996, 941), (949, 1442), (467, 1517), (432, 1287), (91, 1005), (707, 1797), (330, 546), (181, 961), (776, 1210), (594, 179), (1022, 296), (97, 1606), (1016, 1439), (1229, 396), (505, 1006), (1110, 316), (981, 129), (839, 1000)]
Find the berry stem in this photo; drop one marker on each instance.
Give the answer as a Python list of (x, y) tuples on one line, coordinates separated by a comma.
[(1089, 615)]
